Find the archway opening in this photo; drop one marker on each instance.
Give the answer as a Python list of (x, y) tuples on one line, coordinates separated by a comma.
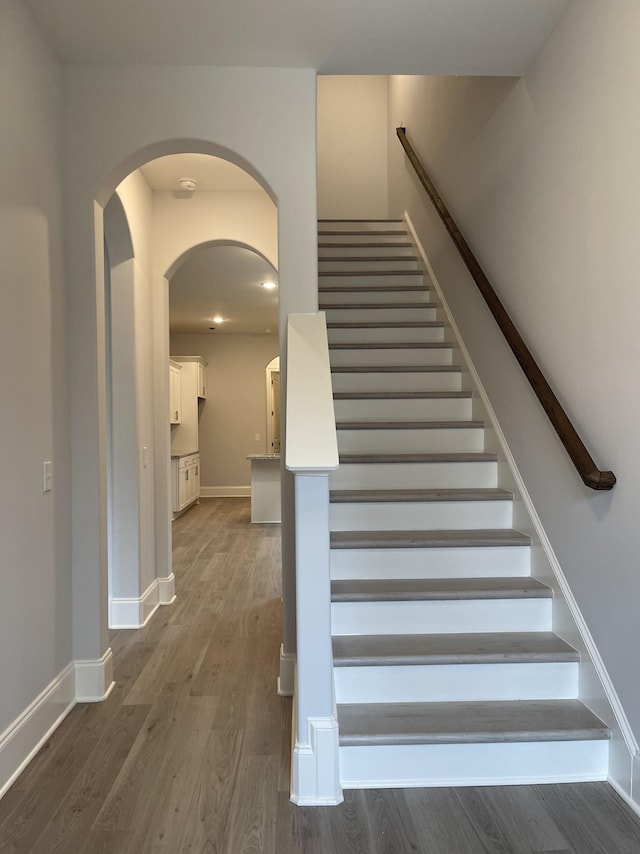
[(170, 221)]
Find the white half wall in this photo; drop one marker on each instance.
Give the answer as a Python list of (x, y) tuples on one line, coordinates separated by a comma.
[(541, 176)]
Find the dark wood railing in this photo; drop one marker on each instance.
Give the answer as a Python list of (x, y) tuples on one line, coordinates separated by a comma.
[(580, 456)]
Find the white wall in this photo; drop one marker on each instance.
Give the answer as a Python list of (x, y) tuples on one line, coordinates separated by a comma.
[(116, 119), (133, 560), (352, 147), (235, 408), (542, 175), (181, 222), (35, 601)]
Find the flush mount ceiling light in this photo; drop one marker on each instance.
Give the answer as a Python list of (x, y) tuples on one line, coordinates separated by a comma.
[(269, 286), (188, 184), (218, 319)]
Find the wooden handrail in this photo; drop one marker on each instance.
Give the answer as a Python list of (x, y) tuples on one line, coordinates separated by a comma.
[(591, 475)]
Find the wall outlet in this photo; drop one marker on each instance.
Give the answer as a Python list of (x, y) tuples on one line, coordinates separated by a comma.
[(47, 476), (257, 437)]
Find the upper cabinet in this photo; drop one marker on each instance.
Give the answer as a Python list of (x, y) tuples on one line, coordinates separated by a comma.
[(193, 382), (175, 392), (202, 377)]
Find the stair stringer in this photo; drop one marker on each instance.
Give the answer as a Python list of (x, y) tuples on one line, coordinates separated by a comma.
[(596, 689)]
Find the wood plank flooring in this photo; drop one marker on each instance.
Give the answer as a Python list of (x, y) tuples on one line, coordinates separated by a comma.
[(190, 753)]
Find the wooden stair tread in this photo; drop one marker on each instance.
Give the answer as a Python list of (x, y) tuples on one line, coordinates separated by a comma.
[(472, 648), (394, 369), (370, 496), (363, 273), (352, 306), (437, 589), (390, 324), (368, 258), (375, 289), (468, 722), (436, 457), (393, 345), (329, 232), (402, 395), (349, 219), (409, 425), (386, 244), (473, 538)]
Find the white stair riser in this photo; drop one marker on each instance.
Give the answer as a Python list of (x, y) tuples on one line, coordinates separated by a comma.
[(361, 225), (441, 616), (350, 251), (417, 356), (486, 562), (414, 475), (379, 315), (403, 409), (385, 334), (367, 264), (345, 238), (362, 294), (473, 764), (441, 683), (420, 516), (377, 279), (434, 440), (398, 381)]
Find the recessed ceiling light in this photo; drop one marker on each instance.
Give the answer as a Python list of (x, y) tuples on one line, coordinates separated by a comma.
[(218, 319), (269, 286)]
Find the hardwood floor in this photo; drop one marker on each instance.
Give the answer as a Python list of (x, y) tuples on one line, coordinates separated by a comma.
[(190, 753)]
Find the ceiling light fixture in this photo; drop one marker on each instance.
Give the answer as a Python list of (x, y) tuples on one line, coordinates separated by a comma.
[(188, 184), (269, 286), (218, 319)]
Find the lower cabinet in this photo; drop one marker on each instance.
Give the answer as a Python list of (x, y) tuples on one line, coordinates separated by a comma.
[(185, 480)]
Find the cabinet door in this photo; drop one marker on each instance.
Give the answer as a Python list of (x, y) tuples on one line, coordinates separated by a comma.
[(202, 380), (196, 479), (184, 485), (175, 394)]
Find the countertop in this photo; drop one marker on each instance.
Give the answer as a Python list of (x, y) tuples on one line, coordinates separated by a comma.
[(263, 457), (179, 454)]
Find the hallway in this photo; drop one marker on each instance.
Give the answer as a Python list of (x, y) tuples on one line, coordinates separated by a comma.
[(190, 753)]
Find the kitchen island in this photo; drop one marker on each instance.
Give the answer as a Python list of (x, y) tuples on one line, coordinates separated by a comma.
[(265, 487)]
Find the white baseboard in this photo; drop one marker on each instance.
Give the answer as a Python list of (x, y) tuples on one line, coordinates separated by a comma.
[(167, 590), (25, 736), (225, 492), (287, 673), (133, 613), (609, 694), (631, 801), (94, 679)]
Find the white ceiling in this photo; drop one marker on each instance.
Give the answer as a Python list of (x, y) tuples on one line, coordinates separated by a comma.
[(211, 173), (493, 37), (224, 280)]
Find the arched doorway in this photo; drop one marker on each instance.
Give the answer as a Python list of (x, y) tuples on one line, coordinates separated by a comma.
[(167, 226)]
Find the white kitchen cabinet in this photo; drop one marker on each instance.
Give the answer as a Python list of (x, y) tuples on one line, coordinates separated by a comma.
[(202, 377), (193, 382), (175, 392), (185, 482)]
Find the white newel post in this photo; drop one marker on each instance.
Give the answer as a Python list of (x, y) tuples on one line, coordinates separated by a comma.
[(311, 455)]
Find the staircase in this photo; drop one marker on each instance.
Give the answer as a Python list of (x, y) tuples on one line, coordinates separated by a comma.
[(446, 667)]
